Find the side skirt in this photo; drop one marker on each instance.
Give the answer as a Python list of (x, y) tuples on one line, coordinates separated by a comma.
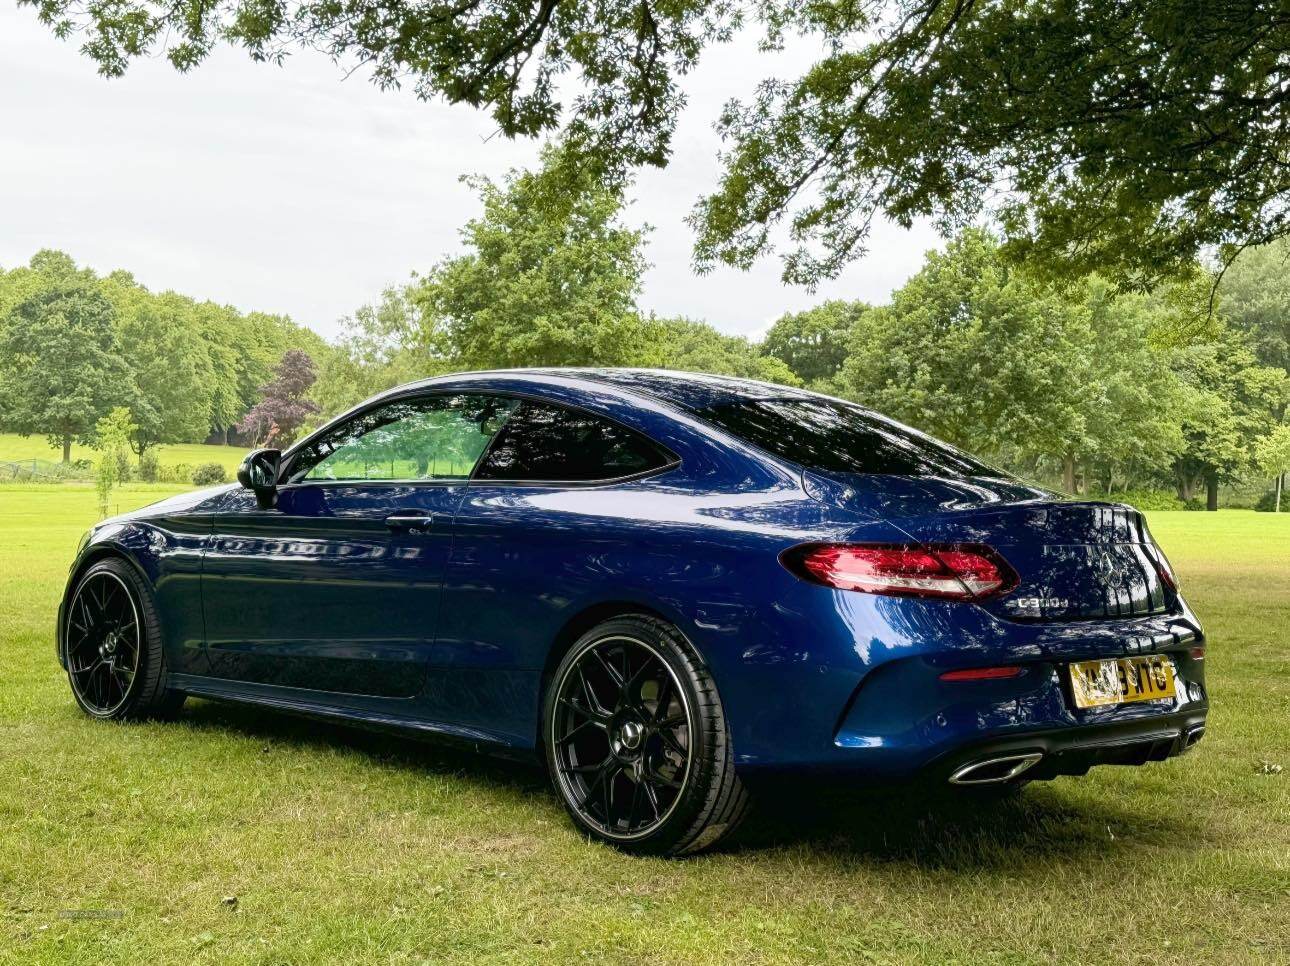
[(325, 707)]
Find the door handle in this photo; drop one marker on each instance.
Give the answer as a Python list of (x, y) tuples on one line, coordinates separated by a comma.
[(412, 522)]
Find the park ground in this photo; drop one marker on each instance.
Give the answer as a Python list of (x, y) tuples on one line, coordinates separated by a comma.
[(20, 448), (235, 835)]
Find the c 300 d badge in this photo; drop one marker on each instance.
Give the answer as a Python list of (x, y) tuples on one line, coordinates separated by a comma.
[(1036, 606)]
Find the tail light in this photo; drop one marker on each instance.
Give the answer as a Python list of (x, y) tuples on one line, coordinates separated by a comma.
[(948, 572)]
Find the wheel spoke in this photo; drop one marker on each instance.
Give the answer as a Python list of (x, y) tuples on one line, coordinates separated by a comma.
[(97, 678), (608, 789), (100, 601), (658, 778), (588, 769), (637, 795), (599, 718), (577, 729), (602, 771), (86, 615), (651, 796), (672, 744), (614, 674), (631, 691), (663, 699), (589, 693)]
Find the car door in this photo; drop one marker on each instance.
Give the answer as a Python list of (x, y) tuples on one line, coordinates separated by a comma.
[(336, 588), (550, 508)]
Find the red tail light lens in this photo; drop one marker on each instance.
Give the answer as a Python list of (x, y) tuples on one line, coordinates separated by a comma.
[(1164, 569), (949, 572)]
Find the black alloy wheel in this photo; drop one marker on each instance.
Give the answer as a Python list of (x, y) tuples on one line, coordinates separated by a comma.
[(636, 741), (113, 647), (104, 638)]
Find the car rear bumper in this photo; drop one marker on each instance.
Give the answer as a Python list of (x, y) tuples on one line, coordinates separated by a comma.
[(1069, 751)]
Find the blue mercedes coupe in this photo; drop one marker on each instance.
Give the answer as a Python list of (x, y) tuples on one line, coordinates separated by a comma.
[(662, 585)]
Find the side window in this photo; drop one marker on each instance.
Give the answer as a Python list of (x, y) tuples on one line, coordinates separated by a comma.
[(548, 443), (431, 438)]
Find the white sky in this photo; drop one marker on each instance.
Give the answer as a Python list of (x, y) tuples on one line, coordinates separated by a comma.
[(289, 190)]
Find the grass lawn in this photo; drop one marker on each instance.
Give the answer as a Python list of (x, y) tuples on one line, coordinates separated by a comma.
[(14, 447), (343, 846)]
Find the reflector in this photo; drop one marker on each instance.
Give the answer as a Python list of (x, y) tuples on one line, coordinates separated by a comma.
[(981, 673)]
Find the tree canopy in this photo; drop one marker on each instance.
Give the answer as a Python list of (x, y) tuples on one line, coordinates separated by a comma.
[(1118, 137), (549, 277), (1073, 379), (285, 407), (61, 369), (184, 369)]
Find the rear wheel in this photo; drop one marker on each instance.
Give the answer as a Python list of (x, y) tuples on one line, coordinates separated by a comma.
[(115, 662), (637, 741)]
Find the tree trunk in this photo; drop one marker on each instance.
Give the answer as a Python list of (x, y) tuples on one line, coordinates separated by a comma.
[(1281, 485), (225, 436), (1068, 472), (1211, 491), (67, 449)]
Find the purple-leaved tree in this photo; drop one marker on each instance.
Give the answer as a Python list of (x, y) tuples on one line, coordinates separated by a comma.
[(276, 419)]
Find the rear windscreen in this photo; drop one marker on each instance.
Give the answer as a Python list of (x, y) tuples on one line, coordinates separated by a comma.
[(830, 435)]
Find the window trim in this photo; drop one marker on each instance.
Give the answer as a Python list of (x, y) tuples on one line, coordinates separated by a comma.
[(673, 460)]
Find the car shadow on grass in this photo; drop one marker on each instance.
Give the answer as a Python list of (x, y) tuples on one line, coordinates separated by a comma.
[(815, 820), (1041, 825)]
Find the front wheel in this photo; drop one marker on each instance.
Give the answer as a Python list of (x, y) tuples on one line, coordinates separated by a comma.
[(115, 662), (637, 741)]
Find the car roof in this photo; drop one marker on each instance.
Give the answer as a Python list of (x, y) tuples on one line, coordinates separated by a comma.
[(689, 390)]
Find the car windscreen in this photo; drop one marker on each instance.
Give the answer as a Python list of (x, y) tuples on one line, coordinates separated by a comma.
[(834, 436)]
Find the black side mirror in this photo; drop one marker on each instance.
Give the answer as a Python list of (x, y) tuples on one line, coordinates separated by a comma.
[(259, 472)]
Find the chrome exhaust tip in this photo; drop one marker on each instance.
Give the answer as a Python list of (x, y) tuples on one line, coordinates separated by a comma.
[(1194, 735), (991, 771)]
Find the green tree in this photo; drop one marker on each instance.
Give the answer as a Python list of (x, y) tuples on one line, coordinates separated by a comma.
[(550, 277), (1122, 137), (1272, 455), (242, 351), (383, 345), (985, 356), (970, 351), (1256, 300), (112, 439), (1236, 400), (813, 343), (1134, 403), (60, 364), (697, 347), (171, 365)]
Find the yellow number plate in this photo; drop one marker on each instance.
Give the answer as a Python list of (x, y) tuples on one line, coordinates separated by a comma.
[(1097, 683)]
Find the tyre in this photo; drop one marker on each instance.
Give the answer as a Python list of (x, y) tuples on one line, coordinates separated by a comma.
[(637, 743), (115, 662)]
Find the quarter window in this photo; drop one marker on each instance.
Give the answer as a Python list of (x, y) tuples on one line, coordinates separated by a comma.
[(547, 443), (430, 438)]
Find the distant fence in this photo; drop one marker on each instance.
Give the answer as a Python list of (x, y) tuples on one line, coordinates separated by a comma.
[(41, 471)]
